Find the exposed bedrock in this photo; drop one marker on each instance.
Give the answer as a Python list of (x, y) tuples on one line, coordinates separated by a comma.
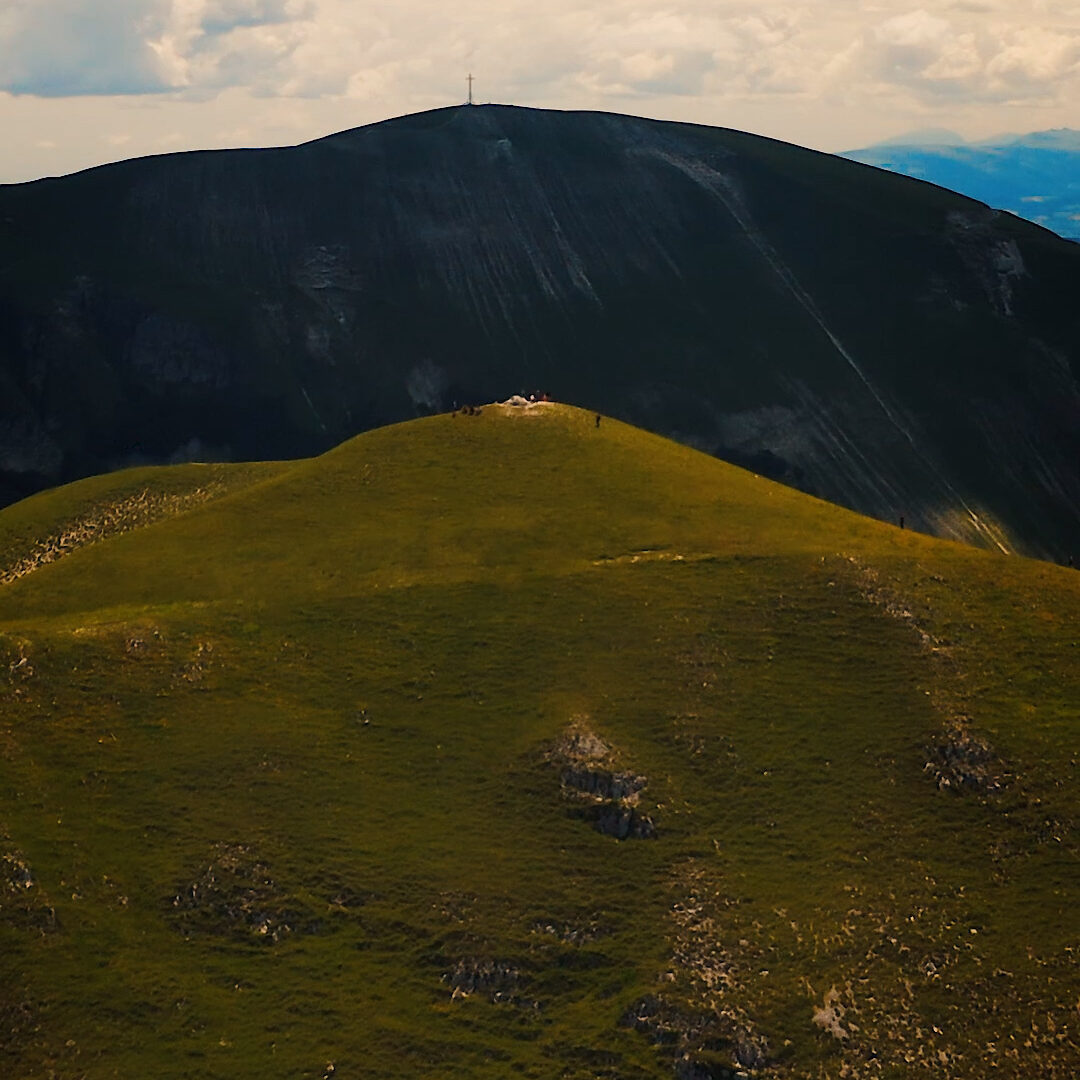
[(596, 788)]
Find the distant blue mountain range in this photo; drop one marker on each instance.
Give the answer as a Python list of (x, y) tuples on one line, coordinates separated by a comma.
[(1035, 176)]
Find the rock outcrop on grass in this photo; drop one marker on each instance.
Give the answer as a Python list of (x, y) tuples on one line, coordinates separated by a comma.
[(235, 896), (15, 656), (702, 1044), (497, 980), (964, 760), (595, 786), (23, 903)]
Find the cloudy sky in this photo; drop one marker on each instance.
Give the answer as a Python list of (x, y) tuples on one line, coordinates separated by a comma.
[(87, 81)]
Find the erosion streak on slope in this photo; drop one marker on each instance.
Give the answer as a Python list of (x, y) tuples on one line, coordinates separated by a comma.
[(511, 242), (571, 261), (133, 512), (311, 406), (963, 758), (722, 186), (724, 189)]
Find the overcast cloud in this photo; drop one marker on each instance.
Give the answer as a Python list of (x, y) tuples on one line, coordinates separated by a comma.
[(822, 72)]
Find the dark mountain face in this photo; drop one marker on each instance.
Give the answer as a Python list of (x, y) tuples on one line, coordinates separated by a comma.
[(880, 342)]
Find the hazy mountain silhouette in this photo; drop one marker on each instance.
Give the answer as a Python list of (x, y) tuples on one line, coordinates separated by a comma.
[(1035, 176)]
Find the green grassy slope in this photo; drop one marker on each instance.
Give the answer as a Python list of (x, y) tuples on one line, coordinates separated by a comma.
[(291, 760)]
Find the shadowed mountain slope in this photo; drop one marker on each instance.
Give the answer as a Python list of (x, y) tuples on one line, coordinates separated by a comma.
[(507, 745), (880, 342)]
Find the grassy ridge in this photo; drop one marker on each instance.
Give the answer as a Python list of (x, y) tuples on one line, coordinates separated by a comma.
[(280, 769), (463, 497)]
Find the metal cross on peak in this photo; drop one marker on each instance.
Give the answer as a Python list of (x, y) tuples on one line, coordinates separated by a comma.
[(470, 80)]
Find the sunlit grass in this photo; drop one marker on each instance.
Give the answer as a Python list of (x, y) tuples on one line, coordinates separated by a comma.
[(346, 674)]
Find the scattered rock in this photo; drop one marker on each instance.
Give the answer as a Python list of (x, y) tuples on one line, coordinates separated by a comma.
[(237, 896), (22, 902), (496, 980), (202, 657), (141, 642), (831, 1014), (15, 656), (16, 874), (662, 1022), (579, 744), (569, 934), (456, 906), (108, 519), (704, 1019), (965, 761), (702, 1044), (751, 1051)]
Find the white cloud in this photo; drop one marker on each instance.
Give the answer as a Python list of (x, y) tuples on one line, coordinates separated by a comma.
[(969, 57), (56, 48), (1035, 59), (794, 68), (610, 49), (974, 49), (220, 16), (326, 47)]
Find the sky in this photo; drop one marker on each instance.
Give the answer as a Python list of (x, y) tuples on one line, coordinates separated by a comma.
[(88, 81)]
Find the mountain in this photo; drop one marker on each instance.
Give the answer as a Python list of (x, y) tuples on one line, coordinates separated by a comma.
[(933, 136), (1054, 138), (1035, 176), (879, 342), (513, 745)]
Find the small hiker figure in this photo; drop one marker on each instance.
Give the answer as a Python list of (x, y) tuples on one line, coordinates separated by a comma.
[(597, 419), (901, 521)]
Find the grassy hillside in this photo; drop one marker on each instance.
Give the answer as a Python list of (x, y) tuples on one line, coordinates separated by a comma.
[(514, 745)]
